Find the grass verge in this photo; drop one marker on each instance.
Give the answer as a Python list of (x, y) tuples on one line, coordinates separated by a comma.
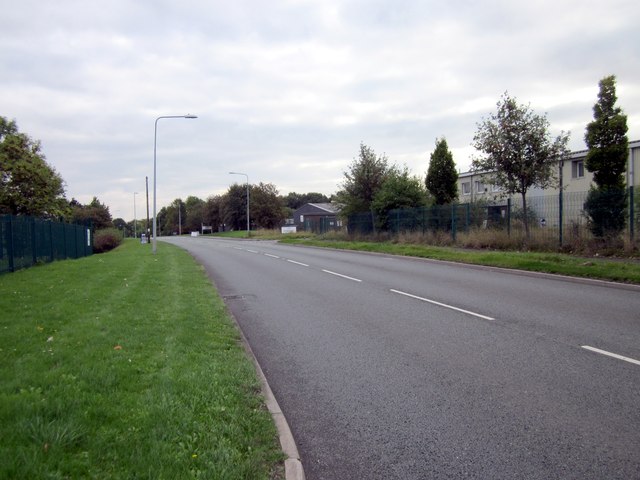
[(126, 365), (620, 271)]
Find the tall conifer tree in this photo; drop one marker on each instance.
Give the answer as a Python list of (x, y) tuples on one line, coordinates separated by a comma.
[(608, 147)]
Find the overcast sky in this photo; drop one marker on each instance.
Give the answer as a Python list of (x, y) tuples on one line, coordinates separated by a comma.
[(285, 91)]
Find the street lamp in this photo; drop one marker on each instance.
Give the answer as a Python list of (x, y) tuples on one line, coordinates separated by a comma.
[(155, 137), (236, 173), (135, 230)]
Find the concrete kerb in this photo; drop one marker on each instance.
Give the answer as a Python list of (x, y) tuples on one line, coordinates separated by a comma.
[(292, 465)]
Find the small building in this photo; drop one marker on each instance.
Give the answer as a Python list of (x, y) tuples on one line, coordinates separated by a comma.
[(317, 217)]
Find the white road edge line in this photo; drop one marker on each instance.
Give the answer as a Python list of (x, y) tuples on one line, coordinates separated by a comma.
[(297, 263), (340, 275), (609, 354), (443, 305), (272, 256)]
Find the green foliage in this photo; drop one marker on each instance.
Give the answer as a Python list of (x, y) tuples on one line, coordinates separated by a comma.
[(363, 180), (607, 211), (442, 177), (28, 185), (267, 210), (518, 149), (212, 212), (234, 207), (400, 190), (607, 160), (106, 239), (94, 213), (295, 200), (194, 210), (606, 138)]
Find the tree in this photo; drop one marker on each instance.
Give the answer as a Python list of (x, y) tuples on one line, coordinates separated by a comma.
[(519, 150), (28, 185), (194, 208), (120, 224), (608, 147), (363, 180), (295, 200), (399, 190), (267, 209), (442, 177), (212, 212), (234, 207), (95, 213), (171, 219)]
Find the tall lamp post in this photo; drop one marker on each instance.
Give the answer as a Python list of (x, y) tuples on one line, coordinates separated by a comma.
[(237, 173), (135, 221), (155, 138)]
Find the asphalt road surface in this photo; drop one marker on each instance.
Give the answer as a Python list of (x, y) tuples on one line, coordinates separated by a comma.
[(399, 368)]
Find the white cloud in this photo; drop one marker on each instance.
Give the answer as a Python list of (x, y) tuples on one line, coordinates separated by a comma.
[(287, 90)]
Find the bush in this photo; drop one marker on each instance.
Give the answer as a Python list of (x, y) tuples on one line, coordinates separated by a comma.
[(107, 239)]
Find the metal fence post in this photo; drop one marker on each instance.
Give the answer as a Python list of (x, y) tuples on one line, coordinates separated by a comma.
[(509, 216), (10, 244), (468, 219), (560, 215), (632, 219), (34, 253), (51, 241), (453, 222)]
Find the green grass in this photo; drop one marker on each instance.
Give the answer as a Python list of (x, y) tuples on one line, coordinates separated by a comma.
[(620, 271), (126, 365)]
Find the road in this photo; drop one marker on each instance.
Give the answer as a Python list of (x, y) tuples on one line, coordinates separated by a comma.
[(399, 368)]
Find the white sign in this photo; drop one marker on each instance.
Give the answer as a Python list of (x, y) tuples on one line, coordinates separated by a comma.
[(289, 229)]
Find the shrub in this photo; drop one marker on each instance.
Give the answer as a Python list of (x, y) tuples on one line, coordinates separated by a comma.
[(107, 239)]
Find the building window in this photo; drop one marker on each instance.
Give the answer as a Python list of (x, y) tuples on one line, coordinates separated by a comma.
[(480, 187), (577, 169), (466, 188)]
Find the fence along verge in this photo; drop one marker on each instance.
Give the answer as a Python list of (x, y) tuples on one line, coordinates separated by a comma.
[(25, 241)]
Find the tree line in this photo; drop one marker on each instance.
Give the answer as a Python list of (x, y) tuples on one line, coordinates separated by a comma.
[(517, 150), (514, 144), (228, 211)]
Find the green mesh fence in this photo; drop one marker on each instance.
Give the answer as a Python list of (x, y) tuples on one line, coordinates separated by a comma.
[(25, 241), (553, 219)]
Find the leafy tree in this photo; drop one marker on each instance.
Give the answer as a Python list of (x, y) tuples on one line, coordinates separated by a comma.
[(295, 200), (162, 221), (194, 208), (608, 147), (399, 190), (519, 150), (94, 212), (234, 207), (267, 209), (28, 185), (135, 227), (363, 180), (442, 177), (173, 217), (120, 224), (212, 212)]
